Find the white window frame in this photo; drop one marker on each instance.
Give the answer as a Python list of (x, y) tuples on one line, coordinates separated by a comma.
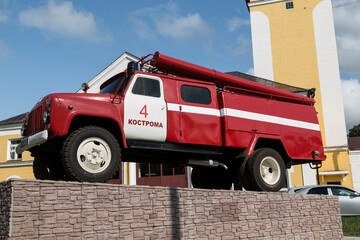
[(9, 150)]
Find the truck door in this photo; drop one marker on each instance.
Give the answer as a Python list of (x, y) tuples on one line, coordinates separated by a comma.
[(145, 116), (199, 114)]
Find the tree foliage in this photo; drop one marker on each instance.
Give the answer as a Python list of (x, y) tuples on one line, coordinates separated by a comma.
[(355, 131)]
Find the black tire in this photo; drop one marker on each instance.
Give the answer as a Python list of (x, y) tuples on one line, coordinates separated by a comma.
[(241, 179), (244, 176), (91, 154), (47, 167), (265, 171), (210, 178)]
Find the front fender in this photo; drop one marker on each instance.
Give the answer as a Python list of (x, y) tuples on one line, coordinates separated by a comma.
[(64, 116)]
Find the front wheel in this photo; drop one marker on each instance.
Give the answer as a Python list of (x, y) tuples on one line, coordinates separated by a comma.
[(91, 154), (265, 170)]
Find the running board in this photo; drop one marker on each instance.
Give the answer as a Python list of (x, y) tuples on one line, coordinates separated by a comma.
[(173, 147)]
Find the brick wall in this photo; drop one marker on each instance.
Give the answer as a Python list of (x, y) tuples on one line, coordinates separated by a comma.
[(70, 210), (5, 208)]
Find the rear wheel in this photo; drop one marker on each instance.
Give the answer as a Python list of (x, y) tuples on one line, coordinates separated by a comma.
[(91, 154), (265, 171)]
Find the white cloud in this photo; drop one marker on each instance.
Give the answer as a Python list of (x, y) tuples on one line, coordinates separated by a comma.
[(347, 22), (242, 42), (62, 20), (236, 22), (183, 27), (169, 23), (141, 27), (351, 99), (4, 51)]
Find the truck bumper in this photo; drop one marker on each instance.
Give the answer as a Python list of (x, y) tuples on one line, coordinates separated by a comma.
[(32, 141)]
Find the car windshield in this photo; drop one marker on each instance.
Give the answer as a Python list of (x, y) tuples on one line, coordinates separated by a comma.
[(112, 84)]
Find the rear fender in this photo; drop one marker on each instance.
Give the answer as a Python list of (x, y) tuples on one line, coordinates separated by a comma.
[(270, 141)]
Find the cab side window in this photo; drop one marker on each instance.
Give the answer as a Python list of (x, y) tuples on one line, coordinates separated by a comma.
[(194, 94), (146, 87)]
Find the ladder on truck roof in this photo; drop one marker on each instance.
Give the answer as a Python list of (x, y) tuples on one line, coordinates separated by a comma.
[(263, 81), (177, 67)]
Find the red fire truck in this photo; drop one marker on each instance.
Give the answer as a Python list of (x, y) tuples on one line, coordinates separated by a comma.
[(229, 129)]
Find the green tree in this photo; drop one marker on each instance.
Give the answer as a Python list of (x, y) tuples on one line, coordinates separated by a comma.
[(355, 131)]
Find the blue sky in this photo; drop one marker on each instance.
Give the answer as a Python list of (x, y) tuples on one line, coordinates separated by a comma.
[(55, 45)]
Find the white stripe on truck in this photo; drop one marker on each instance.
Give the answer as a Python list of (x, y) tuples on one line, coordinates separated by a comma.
[(244, 115)]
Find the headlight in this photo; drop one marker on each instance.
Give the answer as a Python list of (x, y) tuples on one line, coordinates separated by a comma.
[(23, 130), (47, 104), (46, 117)]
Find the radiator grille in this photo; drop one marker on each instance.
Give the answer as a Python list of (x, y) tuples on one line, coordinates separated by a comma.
[(35, 122)]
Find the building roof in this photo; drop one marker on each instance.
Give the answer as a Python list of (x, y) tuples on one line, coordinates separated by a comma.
[(354, 143), (17, 119)]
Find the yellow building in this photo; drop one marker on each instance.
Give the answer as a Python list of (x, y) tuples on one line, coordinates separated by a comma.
[(13, 165), (294, 43)]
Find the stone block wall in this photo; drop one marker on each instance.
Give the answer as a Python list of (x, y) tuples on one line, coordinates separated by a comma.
[(5, 208), (32, 209)]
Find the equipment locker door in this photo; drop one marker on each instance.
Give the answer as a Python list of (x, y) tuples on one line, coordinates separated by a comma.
[(145, 116), (199, 114)]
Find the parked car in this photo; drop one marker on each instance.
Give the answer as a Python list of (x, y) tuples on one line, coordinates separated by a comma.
[(349, 199)]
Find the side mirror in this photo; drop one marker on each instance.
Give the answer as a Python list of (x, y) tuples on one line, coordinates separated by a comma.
[(356, 194), (85, 87), (131, 68)]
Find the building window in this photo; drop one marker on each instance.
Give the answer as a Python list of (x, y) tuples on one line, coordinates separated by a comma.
[(289, 5), (333, 183), (158, 170), (12, 143)]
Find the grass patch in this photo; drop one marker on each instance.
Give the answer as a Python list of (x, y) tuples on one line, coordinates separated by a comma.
[(351, 226)]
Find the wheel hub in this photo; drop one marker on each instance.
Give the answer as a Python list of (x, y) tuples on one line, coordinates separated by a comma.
[(270, 170), (94, 155)]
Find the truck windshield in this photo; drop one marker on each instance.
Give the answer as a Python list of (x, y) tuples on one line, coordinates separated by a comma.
[(112, 84)]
